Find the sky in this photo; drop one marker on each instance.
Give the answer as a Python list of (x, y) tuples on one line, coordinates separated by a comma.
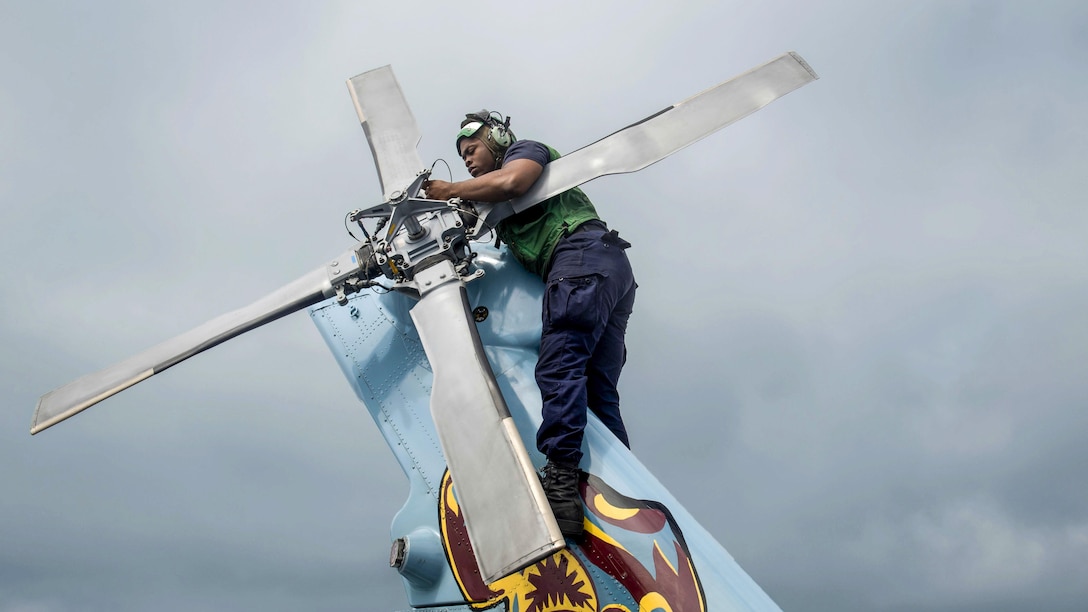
[(858, 351)]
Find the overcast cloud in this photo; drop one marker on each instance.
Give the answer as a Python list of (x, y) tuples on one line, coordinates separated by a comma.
[(859, 350)]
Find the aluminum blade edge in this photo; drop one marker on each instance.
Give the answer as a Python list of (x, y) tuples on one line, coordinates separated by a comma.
[(390, 128), (666, 132), (78, 395), (506, 513)]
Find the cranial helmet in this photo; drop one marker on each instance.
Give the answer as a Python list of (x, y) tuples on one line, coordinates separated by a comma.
[(492, 130)]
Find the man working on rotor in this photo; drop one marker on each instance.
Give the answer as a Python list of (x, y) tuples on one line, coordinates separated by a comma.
[(589, 295)]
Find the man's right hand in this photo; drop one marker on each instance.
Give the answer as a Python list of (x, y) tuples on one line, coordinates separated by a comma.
[(438, 190)]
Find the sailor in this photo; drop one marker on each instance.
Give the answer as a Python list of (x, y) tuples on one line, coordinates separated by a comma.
[(588, 298)]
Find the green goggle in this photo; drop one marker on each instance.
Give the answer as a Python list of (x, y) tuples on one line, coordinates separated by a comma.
[(468, 131)]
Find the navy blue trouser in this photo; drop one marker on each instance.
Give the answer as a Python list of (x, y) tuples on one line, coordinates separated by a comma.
[(588, 298)]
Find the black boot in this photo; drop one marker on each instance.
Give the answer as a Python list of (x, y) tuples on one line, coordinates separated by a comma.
[(561, 487)]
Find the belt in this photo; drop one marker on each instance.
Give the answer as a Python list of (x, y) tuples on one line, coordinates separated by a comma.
[(592, 224)]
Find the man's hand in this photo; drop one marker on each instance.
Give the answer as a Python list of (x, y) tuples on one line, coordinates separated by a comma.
[(438, 190)]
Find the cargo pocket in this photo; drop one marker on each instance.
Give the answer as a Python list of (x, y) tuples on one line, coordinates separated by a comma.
[(570, 302)]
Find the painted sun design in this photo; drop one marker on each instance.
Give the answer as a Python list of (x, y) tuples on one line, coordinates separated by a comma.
[(559, 583), (632, 550)]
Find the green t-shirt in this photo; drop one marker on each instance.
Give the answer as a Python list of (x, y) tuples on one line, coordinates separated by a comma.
[(533, 233)]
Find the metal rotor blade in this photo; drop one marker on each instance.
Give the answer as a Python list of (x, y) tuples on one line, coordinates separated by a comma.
[(506, 513), (663, 133), (76, 396), (390, 128)]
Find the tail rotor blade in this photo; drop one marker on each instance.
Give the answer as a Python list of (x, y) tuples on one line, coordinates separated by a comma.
[(507, 516), (390, 128), (664, 133), (76, 396)]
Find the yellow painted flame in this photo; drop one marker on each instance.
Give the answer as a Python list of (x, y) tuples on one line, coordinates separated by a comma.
[(612, 512)]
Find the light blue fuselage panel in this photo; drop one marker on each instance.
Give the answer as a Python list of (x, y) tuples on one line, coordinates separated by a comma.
[(379, 352)]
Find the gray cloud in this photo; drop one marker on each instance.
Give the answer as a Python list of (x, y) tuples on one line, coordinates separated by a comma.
[(857, 355)]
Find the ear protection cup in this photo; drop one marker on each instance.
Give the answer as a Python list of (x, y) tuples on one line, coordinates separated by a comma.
[(500, 134)]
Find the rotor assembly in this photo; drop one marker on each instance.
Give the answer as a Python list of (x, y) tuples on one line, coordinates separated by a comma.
[(422, 247)]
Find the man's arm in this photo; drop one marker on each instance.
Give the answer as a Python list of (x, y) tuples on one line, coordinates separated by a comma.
[(512, 180)]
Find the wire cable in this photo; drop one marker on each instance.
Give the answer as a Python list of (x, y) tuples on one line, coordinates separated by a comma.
[(449, 170)]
